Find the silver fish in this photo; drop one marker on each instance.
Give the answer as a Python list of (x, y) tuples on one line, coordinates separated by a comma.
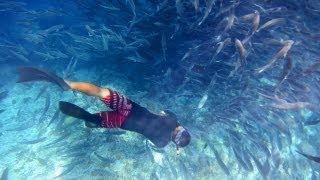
[(164, 46), (310, 157), (105, 42), (36, 141), (280, 54), (286, 70), (46, 107), (275, 10), (41, 92), (90, 31), (209, 5), (226, 9), (20, 57), (111, 8), (202, 101), (54, 117), (247, 17), (70, 167), (4, 175), (241, 50), (312, 68), (220, 162), (52, 29), (133, 8), (241, 61), (104, 159), (196, 5), (272, 22), (256, 21), (230, 22), (295, 105), (46, 56), (222, 45)]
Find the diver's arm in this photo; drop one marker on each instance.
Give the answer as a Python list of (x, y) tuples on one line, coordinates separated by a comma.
[(88, 89)]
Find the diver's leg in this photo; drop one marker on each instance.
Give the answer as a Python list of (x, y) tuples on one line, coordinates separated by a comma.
[(77, 112), (89, 89)]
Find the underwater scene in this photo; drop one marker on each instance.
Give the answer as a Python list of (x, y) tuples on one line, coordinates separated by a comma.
[(160, 89)]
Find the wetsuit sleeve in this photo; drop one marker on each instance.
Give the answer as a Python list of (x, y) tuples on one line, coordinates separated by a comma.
[(121, 107)]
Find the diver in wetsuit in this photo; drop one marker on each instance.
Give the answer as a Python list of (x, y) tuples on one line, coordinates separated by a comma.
[(126, 114)]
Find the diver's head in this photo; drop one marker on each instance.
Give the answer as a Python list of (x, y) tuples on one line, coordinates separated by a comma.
[(181, 136)]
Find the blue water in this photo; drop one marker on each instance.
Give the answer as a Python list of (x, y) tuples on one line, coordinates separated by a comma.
[(163, 55)]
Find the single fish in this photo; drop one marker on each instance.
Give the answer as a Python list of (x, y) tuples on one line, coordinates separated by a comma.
[(312, 68), (220, 162), (104, 159), (263, 169), (136, 59), (20, 57), (186, 55), (247, 160), (184, 170), (36, 141), (21, 127), (46, 107), (69, 168), (90, 31), (209, 5), (46, 56), (105, 42), (179, 7), (226, 9), (3, 95), (276, 159), (239, 158), (255, 21), (164, 46), (283, 104), (295, 85), (54, 117), (222, 45), (310, 123), (275, 10), (247, 17), (69, 71), (230, 21), (272, 22), (111, 8), (312, 158), (57, 140), (240, 48), (287, 66), (52, 29), (5, 173), (280, 54), (202, 101), (41, 92), (133, 8), (196, 5)]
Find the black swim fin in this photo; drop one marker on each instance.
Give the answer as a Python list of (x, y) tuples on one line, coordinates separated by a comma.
[(27, 74), (77, 112)]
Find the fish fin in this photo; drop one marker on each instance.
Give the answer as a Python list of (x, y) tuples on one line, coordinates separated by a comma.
[(27, 74), (90, 125)]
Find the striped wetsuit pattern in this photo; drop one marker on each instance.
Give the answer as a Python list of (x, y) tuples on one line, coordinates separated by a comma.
[(121, 107)]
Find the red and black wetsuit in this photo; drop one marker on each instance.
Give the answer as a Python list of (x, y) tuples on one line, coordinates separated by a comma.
[(128, 115)]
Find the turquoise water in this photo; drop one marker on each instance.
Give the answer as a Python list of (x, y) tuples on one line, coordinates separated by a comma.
[(247, 120)]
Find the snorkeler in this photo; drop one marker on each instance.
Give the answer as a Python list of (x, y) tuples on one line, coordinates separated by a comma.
[(126, 114)]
